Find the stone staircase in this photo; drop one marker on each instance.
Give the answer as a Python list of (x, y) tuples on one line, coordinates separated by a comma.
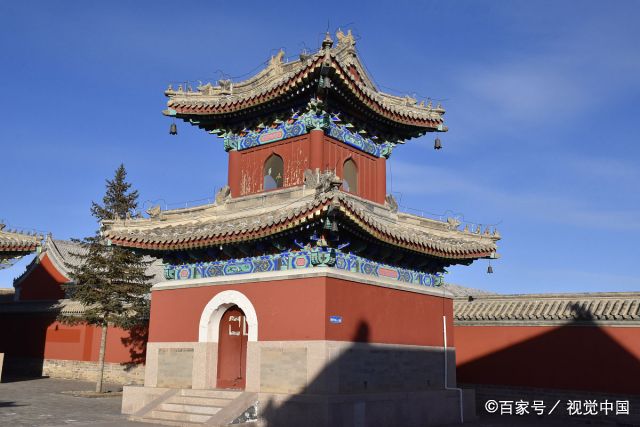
[(187, 407)]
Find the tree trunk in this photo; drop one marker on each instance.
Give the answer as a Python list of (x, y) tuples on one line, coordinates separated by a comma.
[(103, 345)]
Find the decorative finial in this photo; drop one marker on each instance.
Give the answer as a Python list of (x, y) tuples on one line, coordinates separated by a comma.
[(327, 42)]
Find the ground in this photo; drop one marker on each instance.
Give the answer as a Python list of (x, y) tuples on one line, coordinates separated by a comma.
[(41, 402)]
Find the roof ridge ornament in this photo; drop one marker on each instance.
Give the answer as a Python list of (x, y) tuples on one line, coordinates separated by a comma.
[(345, 40), (327, 43), (275, 63), (328, 181)]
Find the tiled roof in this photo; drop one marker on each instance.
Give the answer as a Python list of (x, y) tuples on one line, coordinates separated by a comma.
[(14, 245), (63, 306), (548, 308), (62, 254), (15, 242), (463, 291), (258, 216), (6, 294), (280, 80)]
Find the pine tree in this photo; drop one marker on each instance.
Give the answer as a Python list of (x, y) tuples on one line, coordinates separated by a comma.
[(116, 202), (110, 281)]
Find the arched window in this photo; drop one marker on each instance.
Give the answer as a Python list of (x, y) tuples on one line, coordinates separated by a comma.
[(273, 172), (350, 172)]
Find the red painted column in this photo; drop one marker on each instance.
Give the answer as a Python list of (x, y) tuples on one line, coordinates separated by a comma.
[(234, 173), (316, 139), (381, 180)]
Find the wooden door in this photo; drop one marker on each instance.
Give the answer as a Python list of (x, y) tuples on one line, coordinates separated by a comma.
[(232, 349)]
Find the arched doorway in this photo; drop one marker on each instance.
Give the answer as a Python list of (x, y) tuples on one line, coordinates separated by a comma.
[(214, 317), (232, 349)]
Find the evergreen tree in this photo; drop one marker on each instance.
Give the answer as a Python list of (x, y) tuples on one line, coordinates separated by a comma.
[(116, 202), (111, 282)]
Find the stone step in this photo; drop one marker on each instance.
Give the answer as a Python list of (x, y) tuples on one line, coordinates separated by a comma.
[(164, 422), (178, 416), (202, 401), (220, 394), (191, 409)]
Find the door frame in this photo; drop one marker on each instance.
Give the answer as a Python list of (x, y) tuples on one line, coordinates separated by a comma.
[(208, 335)]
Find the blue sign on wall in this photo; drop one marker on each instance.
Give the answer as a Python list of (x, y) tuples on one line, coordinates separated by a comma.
[(335, 319)]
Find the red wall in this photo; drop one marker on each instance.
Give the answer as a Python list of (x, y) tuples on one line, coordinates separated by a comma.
[(300, 310), (40, 336), (391, 316), (287, 310), (310, 151), (596, 358), (42, 282)]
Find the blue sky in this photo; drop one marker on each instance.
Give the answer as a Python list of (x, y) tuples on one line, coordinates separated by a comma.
[(542, 100)]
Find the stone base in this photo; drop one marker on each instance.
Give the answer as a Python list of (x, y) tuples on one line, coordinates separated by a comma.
[(421, 408), (407, 409), (310, 367), (73, 369)]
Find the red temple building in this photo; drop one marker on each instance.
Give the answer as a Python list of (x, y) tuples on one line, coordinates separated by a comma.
[(34, 343), (302, 294)]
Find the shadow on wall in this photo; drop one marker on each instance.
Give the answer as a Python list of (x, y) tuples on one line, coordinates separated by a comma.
[(337, 396), (580, 355), (136, 342), (23, 339), (30, 334)]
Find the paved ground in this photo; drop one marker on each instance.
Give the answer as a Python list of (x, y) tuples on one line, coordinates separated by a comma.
[(40, 402)]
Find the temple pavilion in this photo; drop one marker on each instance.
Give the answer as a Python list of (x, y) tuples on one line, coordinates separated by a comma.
[(302, 294), (14, 245)]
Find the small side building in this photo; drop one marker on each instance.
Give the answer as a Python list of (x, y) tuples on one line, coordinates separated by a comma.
[(35, 344)]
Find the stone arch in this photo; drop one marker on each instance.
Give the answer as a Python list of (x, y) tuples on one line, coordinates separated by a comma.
[(213, 311)]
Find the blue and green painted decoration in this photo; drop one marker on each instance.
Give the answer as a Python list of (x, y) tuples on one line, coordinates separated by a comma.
[(304, 258), (300, 124)]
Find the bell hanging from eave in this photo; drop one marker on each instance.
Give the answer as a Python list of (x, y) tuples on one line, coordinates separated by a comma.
[(173, 129), (489, 269), (437, 144)]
